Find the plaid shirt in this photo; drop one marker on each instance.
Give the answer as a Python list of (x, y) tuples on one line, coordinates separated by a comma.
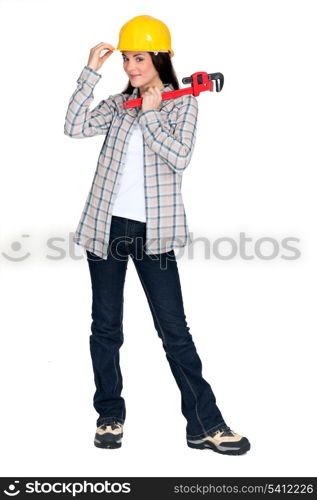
[(169, 135)]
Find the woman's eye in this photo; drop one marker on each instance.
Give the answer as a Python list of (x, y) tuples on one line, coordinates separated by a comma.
[(138, 59)]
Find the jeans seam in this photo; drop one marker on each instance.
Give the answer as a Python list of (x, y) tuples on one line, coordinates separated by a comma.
[(196, 409), (148, 296), (204, 430), (121, 319), (121, 312), (214, 428), (114, 362), (121, 337)]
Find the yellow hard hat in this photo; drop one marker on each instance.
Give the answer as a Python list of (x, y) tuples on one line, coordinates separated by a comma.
[(145, 33)]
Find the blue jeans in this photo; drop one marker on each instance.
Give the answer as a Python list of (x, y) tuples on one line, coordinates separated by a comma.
[(160, 280)]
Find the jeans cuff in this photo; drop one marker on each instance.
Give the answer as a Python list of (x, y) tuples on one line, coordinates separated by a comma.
[(208, 432), (108, 420)]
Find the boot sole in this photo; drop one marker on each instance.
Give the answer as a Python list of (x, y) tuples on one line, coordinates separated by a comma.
[(109, 445), (210, 446)]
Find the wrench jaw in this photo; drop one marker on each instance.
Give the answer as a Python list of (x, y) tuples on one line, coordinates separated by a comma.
[(218, 78), (199, 81)]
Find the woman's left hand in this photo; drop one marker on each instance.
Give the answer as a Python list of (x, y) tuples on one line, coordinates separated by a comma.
[(151, 99)]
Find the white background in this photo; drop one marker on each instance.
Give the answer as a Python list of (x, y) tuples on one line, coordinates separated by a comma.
[(253, 171)]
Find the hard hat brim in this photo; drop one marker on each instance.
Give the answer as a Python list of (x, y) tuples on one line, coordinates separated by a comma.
[(171, 52)]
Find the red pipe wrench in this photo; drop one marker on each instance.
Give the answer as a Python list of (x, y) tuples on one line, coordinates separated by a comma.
[(200, 81)]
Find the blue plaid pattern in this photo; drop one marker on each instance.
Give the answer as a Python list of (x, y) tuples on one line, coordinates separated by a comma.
[(169, 136)]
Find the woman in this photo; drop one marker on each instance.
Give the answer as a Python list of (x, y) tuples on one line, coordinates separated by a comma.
[(135, 208)]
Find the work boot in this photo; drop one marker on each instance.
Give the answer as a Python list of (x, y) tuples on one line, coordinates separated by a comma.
[(109, 435), (224, 441)]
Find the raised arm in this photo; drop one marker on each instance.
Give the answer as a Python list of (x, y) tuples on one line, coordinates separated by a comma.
[(79, 121), (176, 149)]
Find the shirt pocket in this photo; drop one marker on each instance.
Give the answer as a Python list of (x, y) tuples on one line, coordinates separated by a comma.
[(169, 114), (169, 120), (172, 124)]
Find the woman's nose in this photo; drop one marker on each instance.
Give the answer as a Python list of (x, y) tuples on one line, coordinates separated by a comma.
[(130, 66)]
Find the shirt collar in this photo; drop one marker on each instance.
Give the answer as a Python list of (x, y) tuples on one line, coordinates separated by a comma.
[(167, 87)]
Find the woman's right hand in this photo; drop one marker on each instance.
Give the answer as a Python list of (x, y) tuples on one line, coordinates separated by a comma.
[(95, 61)]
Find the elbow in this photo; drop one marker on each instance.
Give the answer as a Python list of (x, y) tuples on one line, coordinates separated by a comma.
[(183, 159), (70, 133), (72, 129), (179, 167), (67, 130)]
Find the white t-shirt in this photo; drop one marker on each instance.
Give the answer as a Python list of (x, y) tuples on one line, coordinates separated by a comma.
[(130, 199)]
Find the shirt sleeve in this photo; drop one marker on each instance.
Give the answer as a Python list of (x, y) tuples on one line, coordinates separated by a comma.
[(175, 149), (79, 121)]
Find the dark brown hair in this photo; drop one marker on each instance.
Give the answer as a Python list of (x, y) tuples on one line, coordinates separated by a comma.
[(163, 65)]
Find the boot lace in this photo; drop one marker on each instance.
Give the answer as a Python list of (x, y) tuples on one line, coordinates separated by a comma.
[(114, 425), (225, 431)]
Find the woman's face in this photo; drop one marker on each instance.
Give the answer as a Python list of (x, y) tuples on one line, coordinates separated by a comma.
[(139, 68)]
